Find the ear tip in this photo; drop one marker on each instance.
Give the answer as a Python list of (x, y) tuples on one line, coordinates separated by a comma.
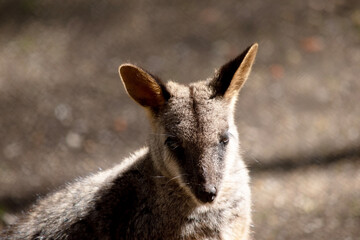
[(254, 47), (125, 66)]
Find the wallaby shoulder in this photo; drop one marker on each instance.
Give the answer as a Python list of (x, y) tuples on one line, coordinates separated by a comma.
[(93, 207)]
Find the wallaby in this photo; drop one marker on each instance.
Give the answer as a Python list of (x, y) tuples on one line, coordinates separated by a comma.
[(190, 182)]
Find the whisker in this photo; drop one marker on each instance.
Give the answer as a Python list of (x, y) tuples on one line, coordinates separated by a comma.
[(162, 134), (176, 177), (158, 176), (173, 179)]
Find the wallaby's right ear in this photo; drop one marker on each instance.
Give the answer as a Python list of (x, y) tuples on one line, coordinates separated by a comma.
[(142, 86), (232, 76)]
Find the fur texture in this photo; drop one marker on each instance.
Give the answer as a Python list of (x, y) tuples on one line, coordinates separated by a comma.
[(189, 183)]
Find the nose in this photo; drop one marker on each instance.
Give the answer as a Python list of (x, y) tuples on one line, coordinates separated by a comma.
[(207, 194)]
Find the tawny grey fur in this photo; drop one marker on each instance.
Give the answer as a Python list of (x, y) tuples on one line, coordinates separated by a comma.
[(188, 183)]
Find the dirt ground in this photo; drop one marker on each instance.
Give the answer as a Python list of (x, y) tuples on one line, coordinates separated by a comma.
[(64, 113)]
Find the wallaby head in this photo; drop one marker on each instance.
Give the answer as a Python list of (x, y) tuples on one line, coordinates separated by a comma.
[(195, 140)]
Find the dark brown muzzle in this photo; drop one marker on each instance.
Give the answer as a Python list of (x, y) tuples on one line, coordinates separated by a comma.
[(205, 174)]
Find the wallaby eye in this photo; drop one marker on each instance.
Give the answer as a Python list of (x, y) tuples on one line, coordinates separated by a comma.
[(224, 139), (172, 143)]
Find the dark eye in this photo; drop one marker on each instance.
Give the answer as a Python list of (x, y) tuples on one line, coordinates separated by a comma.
[(172, 143), (224, 139)]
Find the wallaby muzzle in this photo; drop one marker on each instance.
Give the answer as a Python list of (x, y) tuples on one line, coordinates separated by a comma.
[(205, 176)]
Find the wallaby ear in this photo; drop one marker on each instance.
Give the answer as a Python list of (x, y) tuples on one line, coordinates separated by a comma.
[(232, 76), (144, 88)]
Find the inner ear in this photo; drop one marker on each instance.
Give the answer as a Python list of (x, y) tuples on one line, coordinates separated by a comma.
[(232, 76), (143, 87)]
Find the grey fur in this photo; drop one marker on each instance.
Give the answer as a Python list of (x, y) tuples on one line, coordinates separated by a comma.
[(189, 183)]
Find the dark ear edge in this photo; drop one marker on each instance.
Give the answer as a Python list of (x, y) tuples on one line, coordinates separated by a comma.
[(145, 88), (231, 76)]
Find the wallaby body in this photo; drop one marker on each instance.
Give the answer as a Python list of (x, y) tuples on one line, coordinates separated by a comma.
[(189, 183)]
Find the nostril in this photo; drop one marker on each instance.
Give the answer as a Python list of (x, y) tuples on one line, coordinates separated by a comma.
[(212, 190)]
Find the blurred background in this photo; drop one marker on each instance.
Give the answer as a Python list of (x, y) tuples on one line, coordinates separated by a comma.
[(64, 112)]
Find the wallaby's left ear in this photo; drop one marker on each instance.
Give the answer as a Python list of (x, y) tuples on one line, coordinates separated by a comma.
[(232, 76)]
